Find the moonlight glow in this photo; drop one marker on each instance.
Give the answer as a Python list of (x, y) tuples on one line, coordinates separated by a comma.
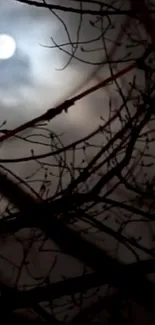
[(7, 46)]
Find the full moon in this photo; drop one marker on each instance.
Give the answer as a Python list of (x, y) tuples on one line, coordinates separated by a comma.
[(7, 46)]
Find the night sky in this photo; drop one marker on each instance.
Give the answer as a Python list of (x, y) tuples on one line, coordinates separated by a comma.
[(33, 79)]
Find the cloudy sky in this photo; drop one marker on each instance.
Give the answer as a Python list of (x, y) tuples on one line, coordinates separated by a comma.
[(33, 79)]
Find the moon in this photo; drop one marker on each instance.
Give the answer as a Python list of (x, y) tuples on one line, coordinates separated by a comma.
[(7, 46)]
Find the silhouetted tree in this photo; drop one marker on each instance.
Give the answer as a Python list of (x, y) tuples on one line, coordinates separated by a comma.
[(95, 188)]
